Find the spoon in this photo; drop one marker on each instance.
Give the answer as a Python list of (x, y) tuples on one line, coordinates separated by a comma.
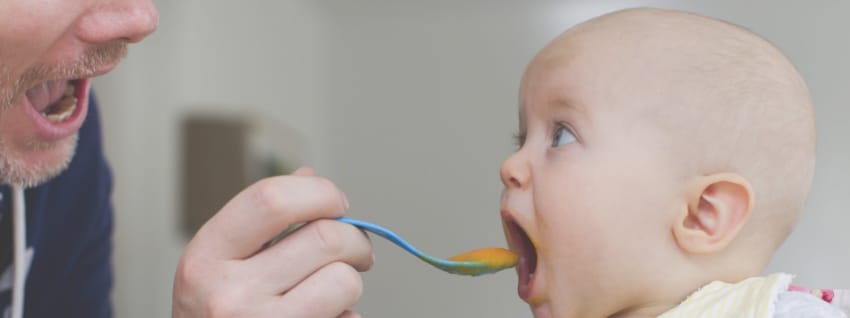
[(473, 263)]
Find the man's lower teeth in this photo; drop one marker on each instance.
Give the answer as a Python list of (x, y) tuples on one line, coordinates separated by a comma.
[(63, 109)]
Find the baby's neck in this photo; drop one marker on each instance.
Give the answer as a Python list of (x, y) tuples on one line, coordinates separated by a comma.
[(670, 294), (664, 293), (648, 310)]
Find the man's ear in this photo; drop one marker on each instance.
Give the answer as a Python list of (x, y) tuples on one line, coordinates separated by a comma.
[(718, 206)]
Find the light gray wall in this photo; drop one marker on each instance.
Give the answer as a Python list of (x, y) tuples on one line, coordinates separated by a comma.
[(410, 109), (260, 58)]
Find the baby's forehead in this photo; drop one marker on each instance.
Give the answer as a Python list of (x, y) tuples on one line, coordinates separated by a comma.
[(654, 38), (596, 76), (622, 58)]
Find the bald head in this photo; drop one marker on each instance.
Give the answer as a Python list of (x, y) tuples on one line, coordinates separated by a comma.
[(727, 99)]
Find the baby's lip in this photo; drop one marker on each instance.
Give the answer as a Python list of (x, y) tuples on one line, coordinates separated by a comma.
[(521, 243)]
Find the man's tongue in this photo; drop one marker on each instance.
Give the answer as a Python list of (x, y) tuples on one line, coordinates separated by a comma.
[(44, 94)]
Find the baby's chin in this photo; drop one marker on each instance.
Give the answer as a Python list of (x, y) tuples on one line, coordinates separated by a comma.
[(548, 305), (542, 311), (555, 309)]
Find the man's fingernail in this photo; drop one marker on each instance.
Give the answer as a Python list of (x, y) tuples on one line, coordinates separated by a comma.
[(345, 201)]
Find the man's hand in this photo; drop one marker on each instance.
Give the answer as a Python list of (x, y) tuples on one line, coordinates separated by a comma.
[(312, 272)]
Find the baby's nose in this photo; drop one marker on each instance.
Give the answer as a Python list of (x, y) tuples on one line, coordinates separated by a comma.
[(515, 172)]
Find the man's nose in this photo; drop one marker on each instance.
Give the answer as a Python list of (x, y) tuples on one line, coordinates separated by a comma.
[(118, 20)]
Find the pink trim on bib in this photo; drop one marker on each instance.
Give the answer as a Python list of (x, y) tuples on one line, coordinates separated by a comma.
[(826, 294)]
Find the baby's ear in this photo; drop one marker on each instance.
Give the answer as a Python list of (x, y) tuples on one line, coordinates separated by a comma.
[(718, 206)]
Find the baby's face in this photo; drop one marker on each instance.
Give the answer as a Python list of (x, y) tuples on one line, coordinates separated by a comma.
[(588, 196)]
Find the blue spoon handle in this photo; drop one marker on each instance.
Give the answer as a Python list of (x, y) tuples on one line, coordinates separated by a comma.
[(385, 233)]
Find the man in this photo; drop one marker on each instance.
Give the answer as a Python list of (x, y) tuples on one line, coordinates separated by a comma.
[(50, 152)]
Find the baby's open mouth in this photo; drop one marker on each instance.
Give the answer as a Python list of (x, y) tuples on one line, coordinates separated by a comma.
[(522, 245), (56, 100)]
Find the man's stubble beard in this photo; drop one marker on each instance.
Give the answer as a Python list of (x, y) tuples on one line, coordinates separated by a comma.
[(14, 165), (14, 168)]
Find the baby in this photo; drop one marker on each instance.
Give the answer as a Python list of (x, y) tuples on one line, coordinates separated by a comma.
[(663, 158)]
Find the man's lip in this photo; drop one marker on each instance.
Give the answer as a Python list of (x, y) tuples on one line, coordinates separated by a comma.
[(54, 131), (103, 69)]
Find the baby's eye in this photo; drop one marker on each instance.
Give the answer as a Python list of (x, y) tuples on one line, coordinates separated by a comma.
[(563, 136)]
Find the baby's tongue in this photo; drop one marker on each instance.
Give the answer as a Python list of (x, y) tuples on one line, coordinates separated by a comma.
[(42, 95)]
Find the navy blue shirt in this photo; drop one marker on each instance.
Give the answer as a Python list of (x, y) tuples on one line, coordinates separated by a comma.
[(69, 229)]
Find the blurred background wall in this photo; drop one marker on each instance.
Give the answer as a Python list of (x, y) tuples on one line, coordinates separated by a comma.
[(410, 108)]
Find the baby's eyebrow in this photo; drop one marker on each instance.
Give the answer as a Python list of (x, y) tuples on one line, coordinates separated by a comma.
[(567, 103), (522, 120)]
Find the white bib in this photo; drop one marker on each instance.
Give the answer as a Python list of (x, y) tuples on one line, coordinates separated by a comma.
[(752, 298)]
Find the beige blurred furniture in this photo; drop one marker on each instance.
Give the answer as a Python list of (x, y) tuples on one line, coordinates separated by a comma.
[(222, 154)]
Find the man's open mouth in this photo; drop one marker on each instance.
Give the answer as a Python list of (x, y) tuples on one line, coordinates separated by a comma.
[(521, 244), (56, 100)]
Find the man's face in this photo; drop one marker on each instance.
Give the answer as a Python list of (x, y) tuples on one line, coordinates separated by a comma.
[(48, 51), (587, 192)]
